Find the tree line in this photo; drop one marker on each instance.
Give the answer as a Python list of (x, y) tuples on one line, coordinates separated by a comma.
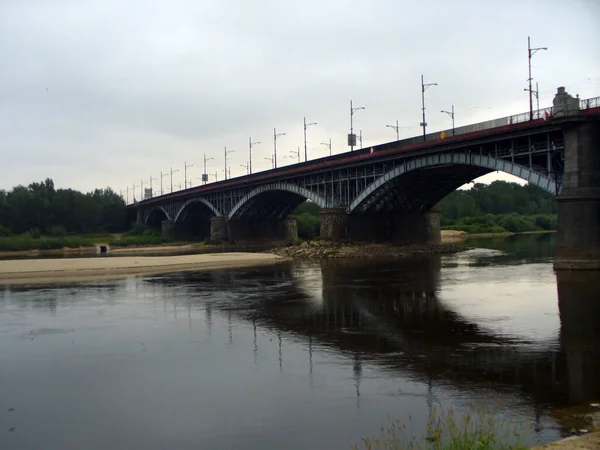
[(40, 208)]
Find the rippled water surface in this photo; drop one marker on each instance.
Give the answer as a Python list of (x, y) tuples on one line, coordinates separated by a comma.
[(299, 355)]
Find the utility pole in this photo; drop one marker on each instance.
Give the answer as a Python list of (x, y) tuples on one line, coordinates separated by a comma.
[(185, 166), (451, 114), (275, 135), (327, 145), (142, 190), (152, 178), (397, 128), (216, 176), (423, 87), (360, 138), (306, 125), (204, 174), (161, 178), (172, 172), (530, 53), (352, 137), (133, 191), (226, 152), (127, 201), (245, 166), (250, 161)]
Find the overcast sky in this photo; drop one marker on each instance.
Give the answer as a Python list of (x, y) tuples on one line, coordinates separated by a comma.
[(97, 93)]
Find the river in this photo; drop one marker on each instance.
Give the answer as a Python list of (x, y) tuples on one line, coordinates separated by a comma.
[(300, 355)]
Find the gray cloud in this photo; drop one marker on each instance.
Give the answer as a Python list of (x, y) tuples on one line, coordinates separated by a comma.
[(107, 93)]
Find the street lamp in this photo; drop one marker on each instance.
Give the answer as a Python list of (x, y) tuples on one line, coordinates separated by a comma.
[(451, 114), (245, 166), (227, 152), (530, 53), (204, 174), (306, 125), (133, 191), (423, 87), (161, 178), (152, 178), (172, 172), (397, 128), (352, 137), (270, 159), (250, 162), (328, 145), (127, 201), (275, 146), (185, 166)]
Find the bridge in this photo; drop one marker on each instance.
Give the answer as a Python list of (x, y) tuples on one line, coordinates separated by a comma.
[(389, 192)]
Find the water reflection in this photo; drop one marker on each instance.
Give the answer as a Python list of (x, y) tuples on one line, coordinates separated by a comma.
[(254, 358)]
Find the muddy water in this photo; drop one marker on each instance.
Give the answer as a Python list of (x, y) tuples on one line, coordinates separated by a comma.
[(299, 355)]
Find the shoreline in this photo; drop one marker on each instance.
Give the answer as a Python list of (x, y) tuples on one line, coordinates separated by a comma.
[(42, 271)]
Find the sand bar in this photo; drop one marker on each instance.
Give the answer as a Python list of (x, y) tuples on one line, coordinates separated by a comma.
[(30, 271)]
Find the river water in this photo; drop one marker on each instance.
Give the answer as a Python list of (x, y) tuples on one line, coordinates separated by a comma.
[(301, 355)]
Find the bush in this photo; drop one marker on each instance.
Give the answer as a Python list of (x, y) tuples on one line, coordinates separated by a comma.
[(140, 240), (309, 226), (35, 233), (5, 231), (58, 231)]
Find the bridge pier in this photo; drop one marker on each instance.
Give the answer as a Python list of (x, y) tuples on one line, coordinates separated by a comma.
[(265, 229), (406, 228), (167, 229), (578, 233), (333, 223), (219, 230)]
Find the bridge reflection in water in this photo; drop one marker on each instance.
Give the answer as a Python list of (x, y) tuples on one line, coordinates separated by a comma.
[(392, 314)]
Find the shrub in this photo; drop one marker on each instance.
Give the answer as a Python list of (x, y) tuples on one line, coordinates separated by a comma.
[(35, 233), (58, 231), (309, 226), (5, 231)]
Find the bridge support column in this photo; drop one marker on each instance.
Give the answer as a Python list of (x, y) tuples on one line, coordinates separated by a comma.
[(167, 229), (219, 230), (418, 228), (333, 223), (271, 229), (289, 228), (578, 234)]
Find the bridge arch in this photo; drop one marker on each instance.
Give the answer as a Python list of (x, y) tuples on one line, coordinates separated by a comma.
[(274, 187), (200, 200), (155, 214), (480, 165)]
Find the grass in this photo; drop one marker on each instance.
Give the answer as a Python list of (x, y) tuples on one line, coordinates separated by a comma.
[(478, 428), (17, 243)]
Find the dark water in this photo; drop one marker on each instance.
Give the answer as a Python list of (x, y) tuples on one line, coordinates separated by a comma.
[(301, 355)]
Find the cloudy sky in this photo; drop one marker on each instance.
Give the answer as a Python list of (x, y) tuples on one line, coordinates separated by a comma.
[(107, 93)]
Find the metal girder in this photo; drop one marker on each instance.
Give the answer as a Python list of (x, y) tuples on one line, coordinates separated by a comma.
[(200, 200), (469, 159)]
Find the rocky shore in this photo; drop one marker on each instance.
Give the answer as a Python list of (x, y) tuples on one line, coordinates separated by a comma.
[(333, 250)]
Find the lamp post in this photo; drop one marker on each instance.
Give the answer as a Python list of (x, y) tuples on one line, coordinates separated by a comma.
[(451, 114), (161, 178), (397, 128), (204, 174), (306, 125), (328, 145), (127, 201), (152, 178), (423, 87), (133, 191), (352, 137), (185, 166), (246, 166), (226, 153), (172, 172), (142, 190), (250, 161), (275, 135), (270, 159), (530, 53)]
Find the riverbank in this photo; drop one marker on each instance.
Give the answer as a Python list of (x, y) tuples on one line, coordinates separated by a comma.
[(77, 269)]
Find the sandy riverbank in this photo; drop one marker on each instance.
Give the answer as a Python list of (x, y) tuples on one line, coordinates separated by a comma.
[(76, 269)]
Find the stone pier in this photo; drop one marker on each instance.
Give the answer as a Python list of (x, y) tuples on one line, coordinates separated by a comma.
[(333, 223), (407, 228), (265, 229), (219, 230), (578, 234), (167, 229)]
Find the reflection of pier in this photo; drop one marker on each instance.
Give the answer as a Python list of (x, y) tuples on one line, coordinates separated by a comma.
[(392, 317)]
